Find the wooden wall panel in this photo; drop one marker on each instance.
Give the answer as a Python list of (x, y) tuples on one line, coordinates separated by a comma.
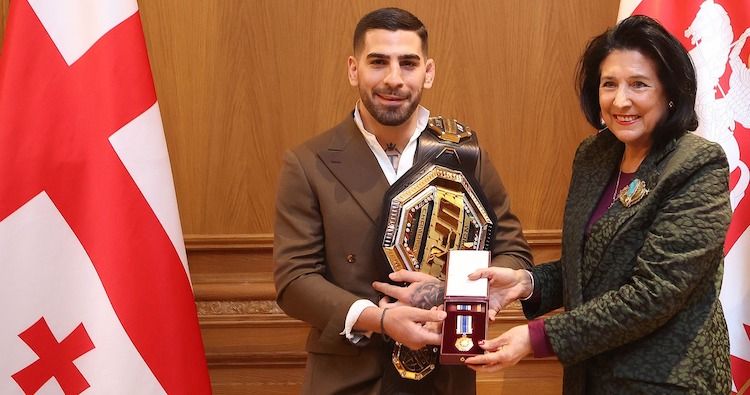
[(240, 81), (252, 346)]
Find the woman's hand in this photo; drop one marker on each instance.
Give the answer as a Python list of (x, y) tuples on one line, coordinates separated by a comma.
[(503, 351), (506, 286)]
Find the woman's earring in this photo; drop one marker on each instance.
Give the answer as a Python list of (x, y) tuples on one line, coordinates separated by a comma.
[(671, 104), (602, 124)]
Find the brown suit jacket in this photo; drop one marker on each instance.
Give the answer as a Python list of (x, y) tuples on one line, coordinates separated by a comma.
[(325, 247)]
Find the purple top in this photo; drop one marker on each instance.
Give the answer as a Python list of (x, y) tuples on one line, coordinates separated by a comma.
[(605, 201), (540, 342)]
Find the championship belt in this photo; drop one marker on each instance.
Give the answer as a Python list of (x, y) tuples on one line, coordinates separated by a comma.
[(435, 207)]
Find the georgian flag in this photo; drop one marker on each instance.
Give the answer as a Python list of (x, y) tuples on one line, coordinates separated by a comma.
[(94, 288), (716, 35)]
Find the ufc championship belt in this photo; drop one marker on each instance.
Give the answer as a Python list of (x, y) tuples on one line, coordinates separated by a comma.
[(435, 207)]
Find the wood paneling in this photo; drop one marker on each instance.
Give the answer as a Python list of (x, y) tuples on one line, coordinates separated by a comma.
[(239, 267), (240, 81), (252, 347)]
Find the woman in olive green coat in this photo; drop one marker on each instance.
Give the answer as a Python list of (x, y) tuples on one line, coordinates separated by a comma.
[(643, 233)]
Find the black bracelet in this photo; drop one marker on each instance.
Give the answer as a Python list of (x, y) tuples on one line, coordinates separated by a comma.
[(386, 338)]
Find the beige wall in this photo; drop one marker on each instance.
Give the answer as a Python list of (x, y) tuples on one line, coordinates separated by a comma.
[(239, 81)]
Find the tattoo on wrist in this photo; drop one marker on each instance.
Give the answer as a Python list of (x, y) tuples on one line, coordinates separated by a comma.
[(428, 295)]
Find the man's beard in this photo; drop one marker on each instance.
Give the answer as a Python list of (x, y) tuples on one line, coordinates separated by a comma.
[(390, 116)]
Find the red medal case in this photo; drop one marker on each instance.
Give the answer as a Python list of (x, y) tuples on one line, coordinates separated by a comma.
[(466, 307)]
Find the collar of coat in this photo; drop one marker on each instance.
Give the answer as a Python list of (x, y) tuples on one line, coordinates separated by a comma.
[(597, 160)]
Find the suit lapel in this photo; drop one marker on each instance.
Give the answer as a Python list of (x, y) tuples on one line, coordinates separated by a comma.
[(594, 173), (596, 166), (614, 221), (353, 164)]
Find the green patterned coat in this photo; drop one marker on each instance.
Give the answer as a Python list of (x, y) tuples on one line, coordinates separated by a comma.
[(641, 295)]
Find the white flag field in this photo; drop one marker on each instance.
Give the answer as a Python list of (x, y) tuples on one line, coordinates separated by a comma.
[(715, 33), (94, 287)]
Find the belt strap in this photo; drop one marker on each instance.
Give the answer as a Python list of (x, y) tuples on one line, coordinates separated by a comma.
[(448, 142)]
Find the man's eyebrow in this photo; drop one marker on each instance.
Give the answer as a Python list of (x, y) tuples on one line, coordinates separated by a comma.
[(410, 57), (377, 55)]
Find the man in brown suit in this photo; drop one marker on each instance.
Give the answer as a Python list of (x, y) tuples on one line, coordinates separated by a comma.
[(329, 200)]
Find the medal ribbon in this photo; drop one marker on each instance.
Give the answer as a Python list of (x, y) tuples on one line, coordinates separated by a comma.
[(463, 325)]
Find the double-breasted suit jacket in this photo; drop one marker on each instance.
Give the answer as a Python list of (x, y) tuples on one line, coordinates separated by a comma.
[(329, 200), (641, 293)]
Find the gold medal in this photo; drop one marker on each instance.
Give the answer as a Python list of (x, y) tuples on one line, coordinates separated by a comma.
[(464, 343)]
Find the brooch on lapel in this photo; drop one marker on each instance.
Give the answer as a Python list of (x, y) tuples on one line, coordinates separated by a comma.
[(633, 193)]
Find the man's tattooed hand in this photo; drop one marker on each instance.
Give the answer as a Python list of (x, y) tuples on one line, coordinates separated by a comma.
[(424, 291), (427, 295)]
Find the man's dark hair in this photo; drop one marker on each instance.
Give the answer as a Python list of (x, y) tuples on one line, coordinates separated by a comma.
[(389, 19), (674, 69)]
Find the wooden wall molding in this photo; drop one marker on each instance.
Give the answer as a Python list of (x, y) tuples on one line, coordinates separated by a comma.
[(236, 242), (232, 307), (239, 267), (260, 352), (252, 346), (264, 241)]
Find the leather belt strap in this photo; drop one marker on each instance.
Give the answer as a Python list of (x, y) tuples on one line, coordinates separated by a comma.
[(443, 137)]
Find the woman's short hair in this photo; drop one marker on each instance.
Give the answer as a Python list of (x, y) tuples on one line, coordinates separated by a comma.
[(674, 69)]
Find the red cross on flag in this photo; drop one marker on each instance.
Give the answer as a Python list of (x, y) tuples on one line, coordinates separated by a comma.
[(94, 287), (716, 35)]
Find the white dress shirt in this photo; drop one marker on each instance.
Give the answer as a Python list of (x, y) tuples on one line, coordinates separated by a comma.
[(404, 164)]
